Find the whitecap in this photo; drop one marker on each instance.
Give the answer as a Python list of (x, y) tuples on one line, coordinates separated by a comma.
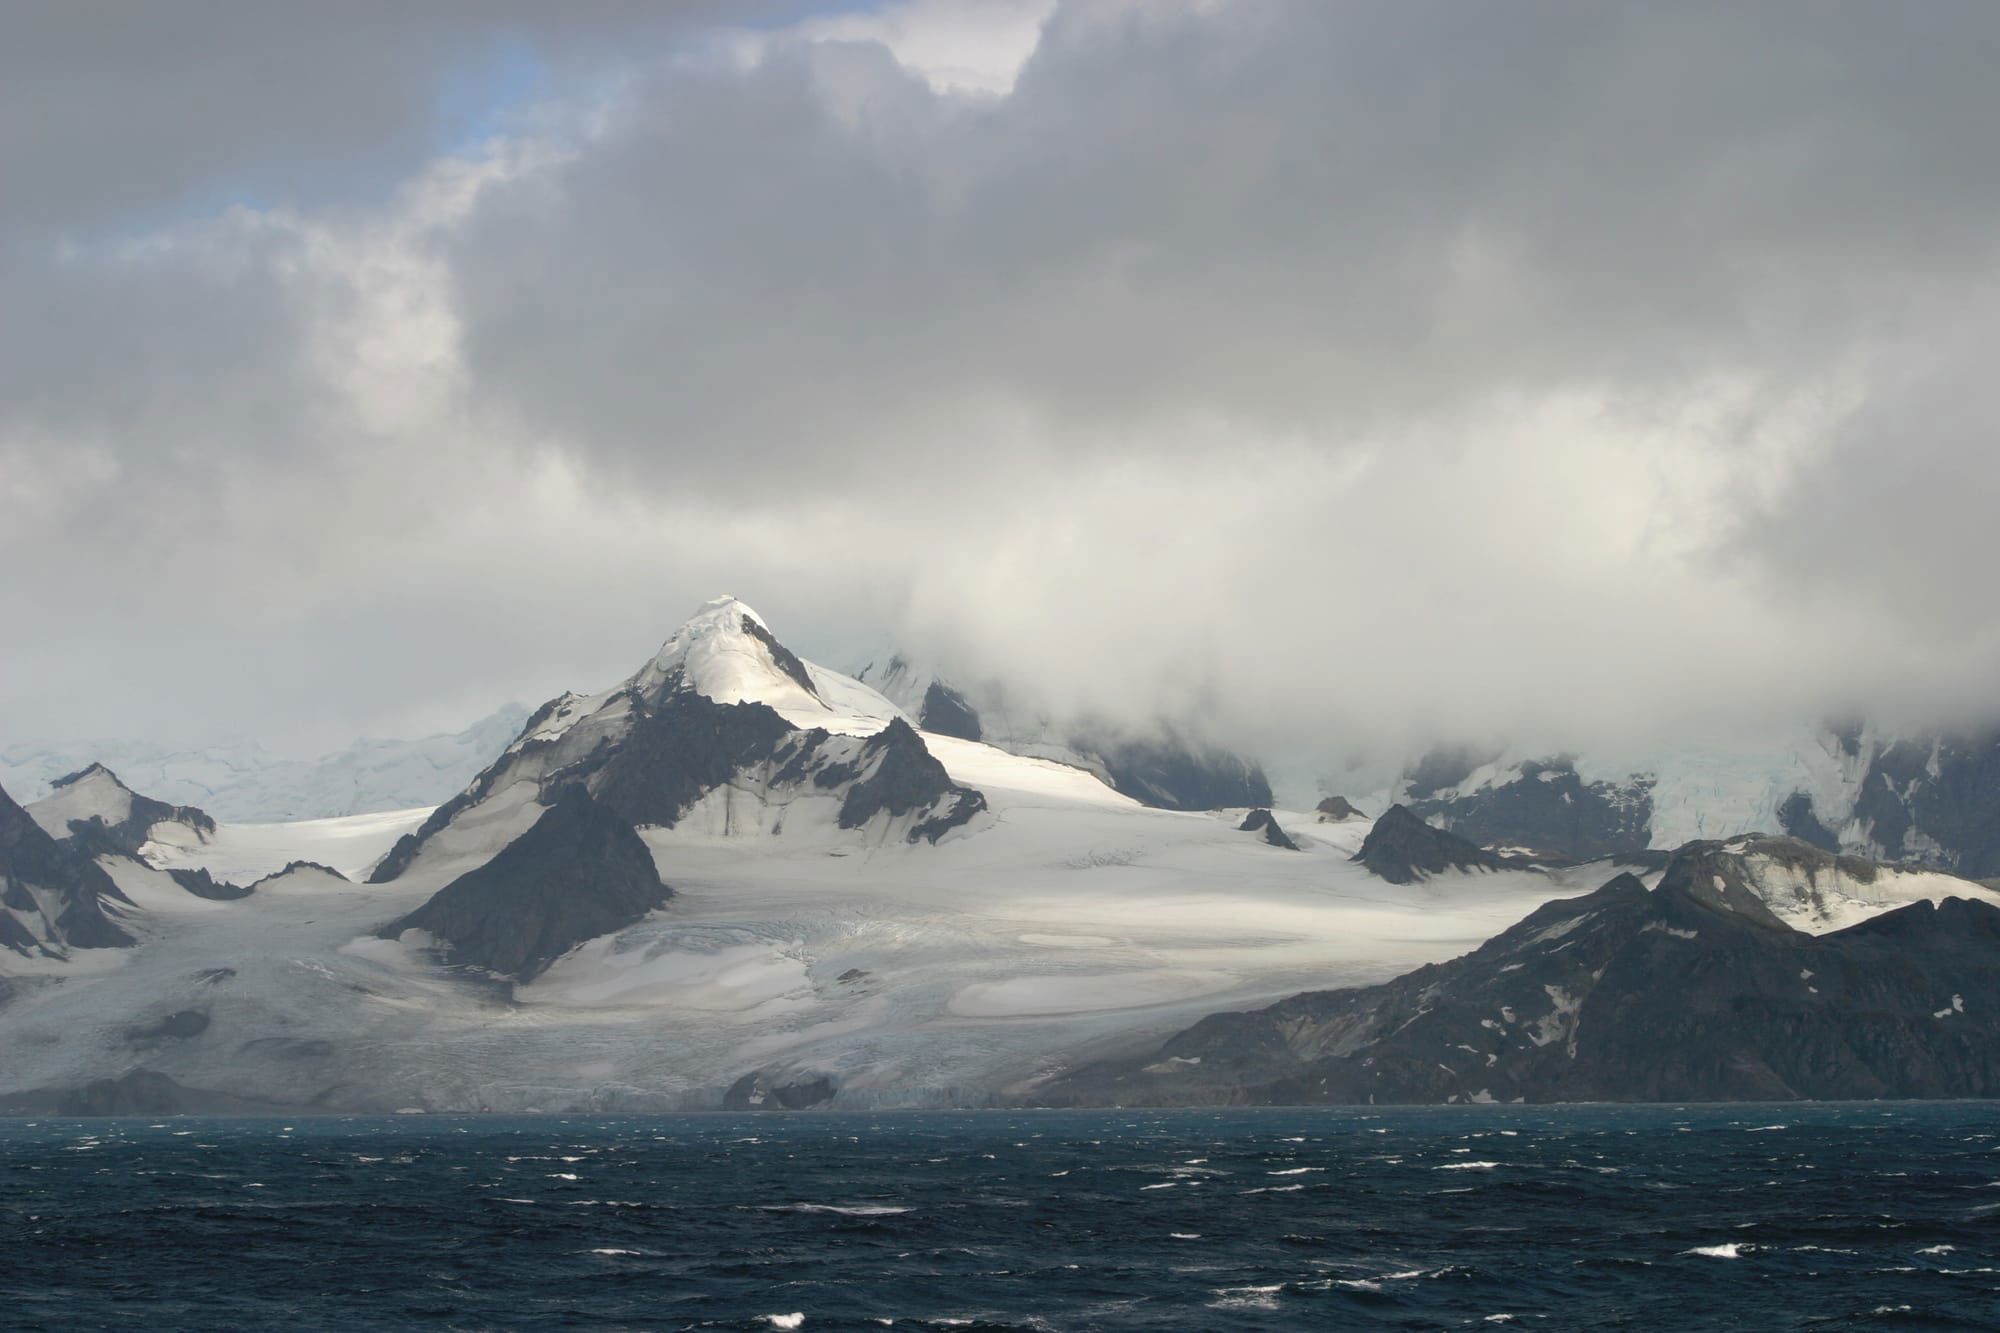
[(792, 1320), (1729, 1251), (845, 1210), (1247, 1298), (1466, 1166)]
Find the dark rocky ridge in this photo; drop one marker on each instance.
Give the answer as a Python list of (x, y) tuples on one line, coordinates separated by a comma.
[(1335, 808), (1933, 800), (1620, 995), (1403, 849), (787, 661), (1262, 821), (896, 775), (77, 887), (579, 873), (203, 885), (1547, 808), (291, 867)]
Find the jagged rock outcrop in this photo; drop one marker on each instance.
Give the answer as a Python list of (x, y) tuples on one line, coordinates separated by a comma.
[(204, 885), (1690, 992), (1403, 849), (1262, 821), (946, 712), (578, 873), (52, 894), (1336, 809)]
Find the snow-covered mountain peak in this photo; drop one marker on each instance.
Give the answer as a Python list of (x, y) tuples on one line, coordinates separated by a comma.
[(727, 652), (89, 793)]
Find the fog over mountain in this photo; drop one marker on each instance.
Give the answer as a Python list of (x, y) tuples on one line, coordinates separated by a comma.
[(1350, 376)]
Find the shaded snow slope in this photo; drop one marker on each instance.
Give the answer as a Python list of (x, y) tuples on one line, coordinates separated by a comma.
[(102, 814)]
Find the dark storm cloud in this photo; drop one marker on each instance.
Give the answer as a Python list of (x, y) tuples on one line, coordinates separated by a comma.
[(1555, 368), (1306, 216)]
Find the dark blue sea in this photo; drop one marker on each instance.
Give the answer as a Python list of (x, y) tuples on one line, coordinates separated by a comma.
[(1772, 1217)]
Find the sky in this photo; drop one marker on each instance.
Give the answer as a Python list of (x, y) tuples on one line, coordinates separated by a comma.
[(1342, 374)]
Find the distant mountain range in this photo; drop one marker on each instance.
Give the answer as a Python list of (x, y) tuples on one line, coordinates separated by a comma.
[(737, 878), (243, 784)]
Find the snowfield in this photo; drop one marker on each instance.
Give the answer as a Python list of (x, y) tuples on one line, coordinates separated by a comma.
[(1077, 920)]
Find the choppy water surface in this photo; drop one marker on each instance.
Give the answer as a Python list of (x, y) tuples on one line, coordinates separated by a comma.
[(1756, 1218)]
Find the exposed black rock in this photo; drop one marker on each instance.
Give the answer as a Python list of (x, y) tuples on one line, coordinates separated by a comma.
[(1547, 808), (1620, 995), (787, 661), (1335, 808), (1797, 817), (902, 778), (759, 1092), (1403, 849), (57, 885), (679, 745), (687, 746), (1937, 802), (946, 712), (1173, 772), (202, 885), (1262, 821), (97, 838), (579, 873)]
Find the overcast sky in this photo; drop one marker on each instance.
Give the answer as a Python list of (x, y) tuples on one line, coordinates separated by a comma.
[(1565, 371)]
